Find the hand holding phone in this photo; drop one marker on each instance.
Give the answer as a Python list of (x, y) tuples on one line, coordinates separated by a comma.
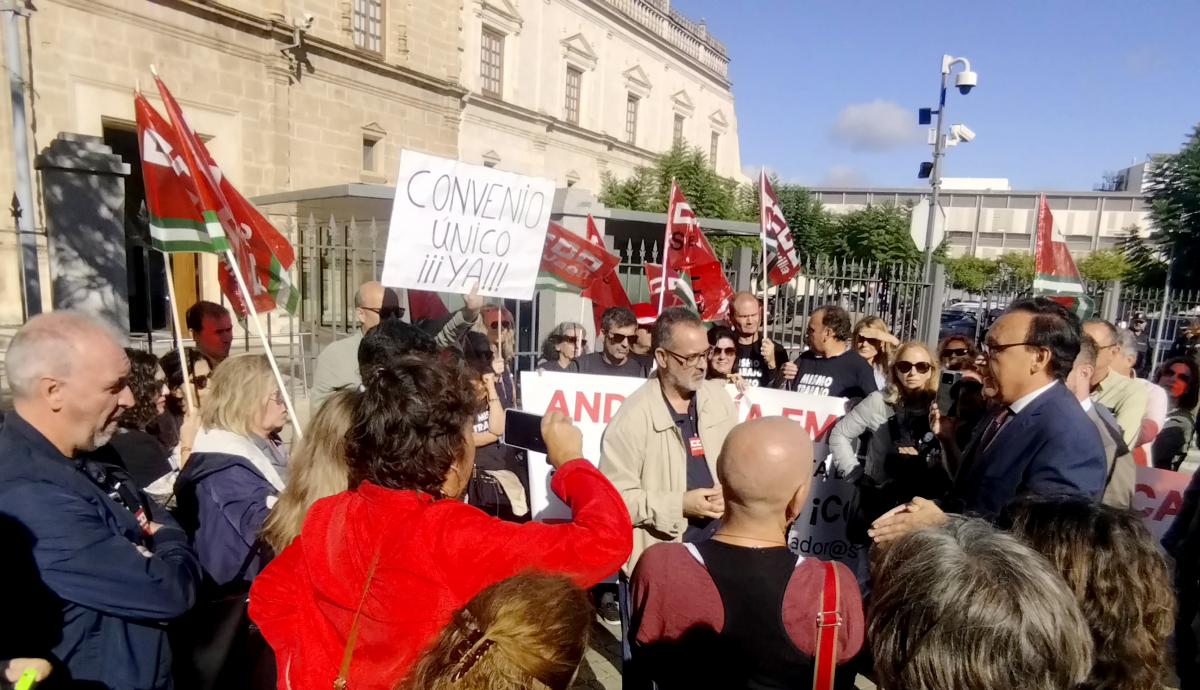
[(945, 399), (553, 435)]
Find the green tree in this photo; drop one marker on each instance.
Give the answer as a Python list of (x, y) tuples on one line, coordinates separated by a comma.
[(813, 228), (649, 187), (877, 233), (1174, 195), (1015, 270), (1146, 267), (970, 273), (1104, 265)]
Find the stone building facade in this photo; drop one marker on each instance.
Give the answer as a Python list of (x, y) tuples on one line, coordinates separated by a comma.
[(294, 95)]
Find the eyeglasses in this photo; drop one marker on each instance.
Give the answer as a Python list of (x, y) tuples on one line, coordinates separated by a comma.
[(688, 360), (386, 312), (200, 382), (990, 350), (873, 342), (921, 367), (618, 338), (494, 324), (277, 398), (727, 351), (559, 340), (955, 352)]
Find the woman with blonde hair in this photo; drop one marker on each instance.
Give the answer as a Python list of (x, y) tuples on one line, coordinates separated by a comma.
[(223, 497), (526, 632), (902, 458), (318, 469), (877, 345)]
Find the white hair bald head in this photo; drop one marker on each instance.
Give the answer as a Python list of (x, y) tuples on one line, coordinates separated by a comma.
[(48, 345)]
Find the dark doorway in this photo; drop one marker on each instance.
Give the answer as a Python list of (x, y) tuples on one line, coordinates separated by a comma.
[(147, 280)]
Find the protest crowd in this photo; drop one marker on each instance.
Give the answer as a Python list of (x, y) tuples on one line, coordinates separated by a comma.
[(155, 543), (744, 514)]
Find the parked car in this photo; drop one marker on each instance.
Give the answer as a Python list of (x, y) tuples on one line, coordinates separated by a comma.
[(960, 323)]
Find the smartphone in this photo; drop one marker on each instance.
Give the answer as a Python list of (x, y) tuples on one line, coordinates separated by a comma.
[(524, 430), (944, 400)]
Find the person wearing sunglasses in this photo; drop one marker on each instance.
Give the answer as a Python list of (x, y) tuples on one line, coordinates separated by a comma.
[(565, 343), (1039, 441), (956, 352), (337, 363), (901, 459), (618, 334), (1180, 378), (177, 424), (723, 357), (877, 345)]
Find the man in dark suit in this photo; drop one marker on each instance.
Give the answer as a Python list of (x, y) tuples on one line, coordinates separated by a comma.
[(1040, 441)]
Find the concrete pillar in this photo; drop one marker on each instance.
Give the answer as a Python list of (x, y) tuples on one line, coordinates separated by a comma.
[(83, 193)]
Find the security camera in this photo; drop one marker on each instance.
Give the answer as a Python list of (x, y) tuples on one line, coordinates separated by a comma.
[(965, 81), (962, 133)]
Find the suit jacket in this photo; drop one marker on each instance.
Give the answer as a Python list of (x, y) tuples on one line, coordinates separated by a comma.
[(1049, 448)]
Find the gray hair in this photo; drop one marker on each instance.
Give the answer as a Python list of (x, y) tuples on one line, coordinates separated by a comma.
[(967, 607), (1127, 342), (549, 351), (49, 344)]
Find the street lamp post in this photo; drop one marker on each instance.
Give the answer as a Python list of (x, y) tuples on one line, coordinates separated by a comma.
[(965, 81)]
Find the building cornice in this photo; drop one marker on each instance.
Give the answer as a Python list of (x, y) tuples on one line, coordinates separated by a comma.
[(552, 124), (613, 14), (275, 28)]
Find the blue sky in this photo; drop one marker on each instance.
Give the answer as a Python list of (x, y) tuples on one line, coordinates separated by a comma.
[(827, 92)]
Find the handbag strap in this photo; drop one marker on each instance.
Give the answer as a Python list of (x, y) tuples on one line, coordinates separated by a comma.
[(828, 622), (342, 682)]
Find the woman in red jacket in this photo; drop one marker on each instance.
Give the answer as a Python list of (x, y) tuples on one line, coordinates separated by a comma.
[(401, 543)]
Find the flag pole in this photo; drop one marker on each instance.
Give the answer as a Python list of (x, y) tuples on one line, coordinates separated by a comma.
[(762, 240), (666, 271), (183, 367), (262, 336)]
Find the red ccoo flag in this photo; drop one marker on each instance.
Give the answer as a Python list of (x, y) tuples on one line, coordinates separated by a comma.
[(606, 290), (685, 246), (782, 261), (262, 253)]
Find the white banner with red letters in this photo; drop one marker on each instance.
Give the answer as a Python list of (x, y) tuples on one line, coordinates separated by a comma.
[(1158, 497), (821, 531), (590, 402)]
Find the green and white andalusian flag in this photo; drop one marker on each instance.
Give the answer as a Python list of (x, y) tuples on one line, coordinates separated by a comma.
[(1055, 274)]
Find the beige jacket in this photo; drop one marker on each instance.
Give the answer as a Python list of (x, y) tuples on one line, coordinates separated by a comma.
[(642, 454)]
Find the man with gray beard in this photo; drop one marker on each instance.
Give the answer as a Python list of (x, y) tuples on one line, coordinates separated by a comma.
[(93, 572)]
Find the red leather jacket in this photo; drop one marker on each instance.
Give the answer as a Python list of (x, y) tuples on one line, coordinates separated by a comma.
[(434, 557)]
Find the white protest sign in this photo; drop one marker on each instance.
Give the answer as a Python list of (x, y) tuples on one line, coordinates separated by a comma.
[(454, 225), (821, 530), (590, 401), (1158, 497)]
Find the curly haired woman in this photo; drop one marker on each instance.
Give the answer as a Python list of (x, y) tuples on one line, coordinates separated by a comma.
[(400, 553), (1118, 576)]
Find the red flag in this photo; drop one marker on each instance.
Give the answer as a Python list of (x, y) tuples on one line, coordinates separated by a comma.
[(423, 304), (679, 292), (782, 260), (569, 260), (1055, 270), (713, 291), (685, 243), (262, 253), (606, 291)]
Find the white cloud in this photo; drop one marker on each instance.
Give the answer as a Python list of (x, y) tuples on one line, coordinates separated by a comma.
[(876, 126), (844, 176)]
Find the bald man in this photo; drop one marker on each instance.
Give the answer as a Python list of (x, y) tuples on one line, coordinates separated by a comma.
[(709, 614), (93, 570), (337, 365), (757, 359)]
